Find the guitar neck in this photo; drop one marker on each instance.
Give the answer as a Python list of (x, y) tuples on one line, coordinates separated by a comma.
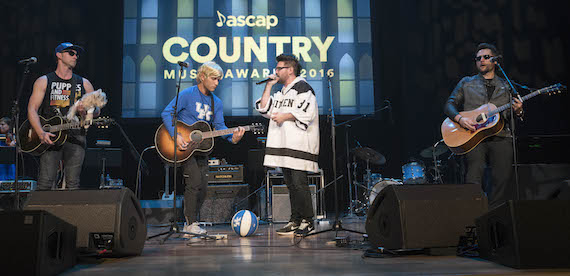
[(66, 126), (222, 132), (506, 106)]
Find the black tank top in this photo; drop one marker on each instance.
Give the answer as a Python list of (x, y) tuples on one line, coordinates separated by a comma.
[(60, 95), (59, 98)]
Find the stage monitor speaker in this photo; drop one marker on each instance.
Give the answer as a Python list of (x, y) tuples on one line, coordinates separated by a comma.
[(281, 205), (526, 234), (108, 219), (222, 201), (36, 243), (423, 216)]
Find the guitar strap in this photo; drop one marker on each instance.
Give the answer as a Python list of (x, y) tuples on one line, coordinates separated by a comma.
[(73, 90), (213, 110)]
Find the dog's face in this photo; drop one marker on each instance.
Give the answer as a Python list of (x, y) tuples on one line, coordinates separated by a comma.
[(94, 99)]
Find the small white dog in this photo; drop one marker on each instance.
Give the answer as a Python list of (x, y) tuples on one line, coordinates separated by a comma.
[(89, 101)]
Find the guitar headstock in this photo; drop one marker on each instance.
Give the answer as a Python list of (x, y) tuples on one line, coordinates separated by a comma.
[(257, 128), (553, 89)]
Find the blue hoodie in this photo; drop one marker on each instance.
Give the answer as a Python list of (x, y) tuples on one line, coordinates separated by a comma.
[(194, 106)]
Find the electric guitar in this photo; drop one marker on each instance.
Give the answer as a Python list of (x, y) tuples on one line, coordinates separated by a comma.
[(30, 142), (199, 131), (461, 141)]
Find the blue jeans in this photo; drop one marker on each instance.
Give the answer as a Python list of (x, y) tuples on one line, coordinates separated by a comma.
[(72, 155)]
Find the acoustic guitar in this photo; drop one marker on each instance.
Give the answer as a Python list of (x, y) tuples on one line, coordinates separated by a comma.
[(30, 142), (199, 131), (461, 141)]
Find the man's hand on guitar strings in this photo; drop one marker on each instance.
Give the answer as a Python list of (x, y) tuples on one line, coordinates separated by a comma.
[(45, 138), (182, 145), (467, 123)]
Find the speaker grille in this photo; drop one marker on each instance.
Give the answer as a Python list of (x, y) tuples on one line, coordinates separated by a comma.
[(116, 213), (423, 216)]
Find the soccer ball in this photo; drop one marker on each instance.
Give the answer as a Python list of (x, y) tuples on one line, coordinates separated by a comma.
[(244, 223)]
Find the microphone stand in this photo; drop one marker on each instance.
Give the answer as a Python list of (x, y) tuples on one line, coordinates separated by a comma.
[(174, 228), (348, 170), (514, 94), (337, 226), (16, 131)]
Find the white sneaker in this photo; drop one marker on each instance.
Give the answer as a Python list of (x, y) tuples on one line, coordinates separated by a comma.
[(305, 228), (288, 229), (194, 228)]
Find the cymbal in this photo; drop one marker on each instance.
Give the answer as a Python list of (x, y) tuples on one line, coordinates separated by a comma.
[(440, 149), (368, 154)]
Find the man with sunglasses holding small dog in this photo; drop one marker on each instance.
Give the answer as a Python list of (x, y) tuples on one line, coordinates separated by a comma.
[(470, 93), (53, 94)]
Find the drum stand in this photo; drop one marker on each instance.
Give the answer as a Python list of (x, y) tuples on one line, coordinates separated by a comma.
[(358, 206), (351, 200), (437, 178)]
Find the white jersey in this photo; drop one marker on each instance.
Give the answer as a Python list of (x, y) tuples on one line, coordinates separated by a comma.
[(293, 144)]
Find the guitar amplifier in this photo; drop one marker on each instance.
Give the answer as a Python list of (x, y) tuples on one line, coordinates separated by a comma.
[(7, 186), (278, 205), (223, 201), (225, 174)]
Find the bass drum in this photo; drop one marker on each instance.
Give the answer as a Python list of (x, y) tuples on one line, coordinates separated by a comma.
[(380, 186)]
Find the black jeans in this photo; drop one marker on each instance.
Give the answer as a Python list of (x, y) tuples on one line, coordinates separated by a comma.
[(498, 152), (299, 195), (72, 155), (195, 172)]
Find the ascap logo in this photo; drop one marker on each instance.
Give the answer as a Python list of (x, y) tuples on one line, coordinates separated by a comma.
[(267, 21)]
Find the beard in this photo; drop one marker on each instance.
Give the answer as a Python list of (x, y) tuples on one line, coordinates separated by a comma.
[(485, 69)]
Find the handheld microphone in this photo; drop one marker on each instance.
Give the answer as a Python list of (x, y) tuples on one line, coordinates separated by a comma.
[(183, 64), (496, 58), (31, 60), (264, 81)]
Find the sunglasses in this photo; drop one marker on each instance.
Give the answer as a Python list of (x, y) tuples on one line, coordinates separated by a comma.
[(71, 53), (484, 57)]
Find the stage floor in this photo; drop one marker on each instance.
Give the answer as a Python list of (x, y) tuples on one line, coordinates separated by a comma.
[(267, 253)]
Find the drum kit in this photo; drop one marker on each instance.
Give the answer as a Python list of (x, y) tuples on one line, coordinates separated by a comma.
[(371, 184)]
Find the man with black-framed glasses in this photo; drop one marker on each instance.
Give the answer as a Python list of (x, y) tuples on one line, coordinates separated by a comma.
[(469, 94), (53, 95), (292, 138)]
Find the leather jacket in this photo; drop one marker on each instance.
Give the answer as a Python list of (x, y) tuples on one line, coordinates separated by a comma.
[(471, 92)]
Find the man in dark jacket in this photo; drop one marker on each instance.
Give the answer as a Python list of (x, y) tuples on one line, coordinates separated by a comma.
[(470, 93)]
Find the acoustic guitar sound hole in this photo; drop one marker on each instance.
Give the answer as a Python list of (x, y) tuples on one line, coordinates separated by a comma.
[(196, 136)]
